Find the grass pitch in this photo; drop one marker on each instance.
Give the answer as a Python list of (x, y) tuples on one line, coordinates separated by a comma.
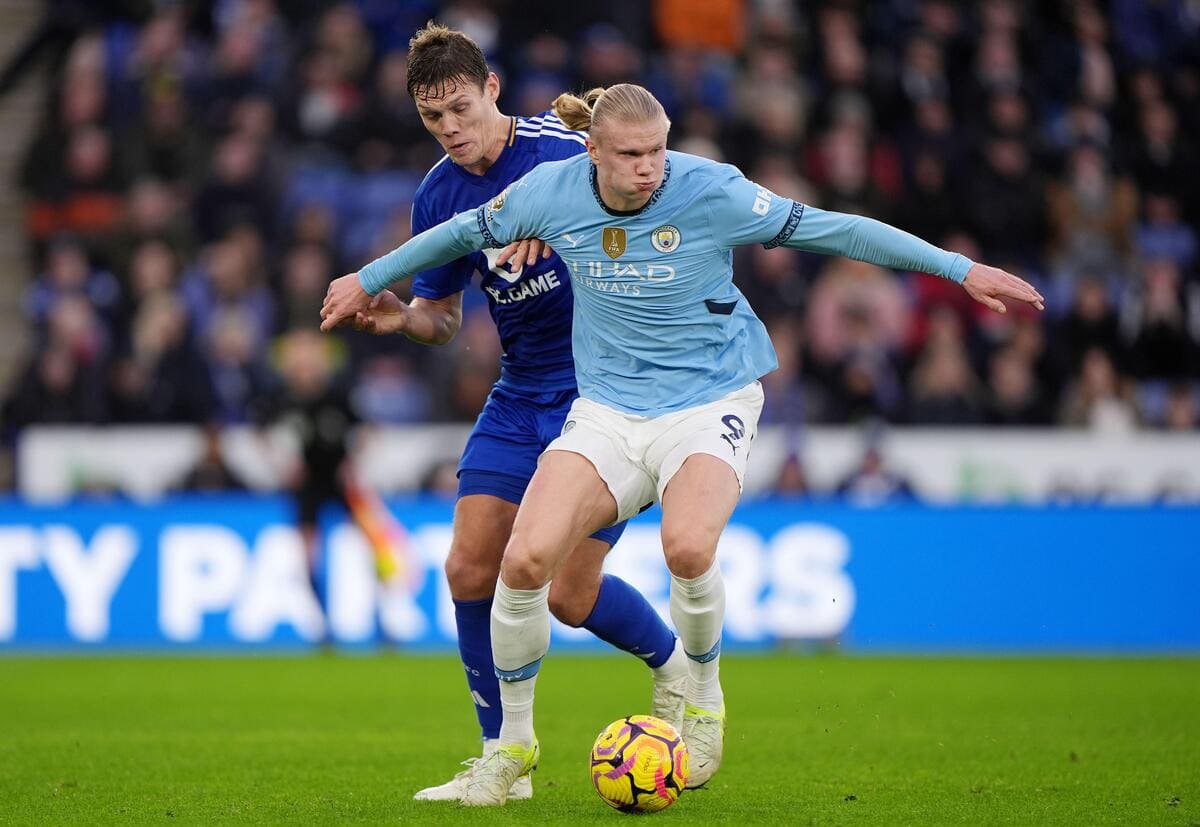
[(812, 739)]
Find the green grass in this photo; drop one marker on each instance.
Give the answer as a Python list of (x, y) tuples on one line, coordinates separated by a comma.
[(812, 739)]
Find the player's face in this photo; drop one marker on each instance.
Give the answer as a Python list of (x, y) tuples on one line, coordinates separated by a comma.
[(465, 120), (629, 159)]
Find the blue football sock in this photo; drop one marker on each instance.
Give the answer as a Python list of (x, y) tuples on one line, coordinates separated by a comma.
[(474, 621), (625, 619)]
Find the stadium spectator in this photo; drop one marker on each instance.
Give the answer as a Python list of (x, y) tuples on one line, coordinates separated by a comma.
[(944, 389), (1182, 408), (1091, 322), (241, 381), (791, 396), (1005, 203), (1014, 396), (154, 213), (306, 269), (792, 479), (229, 277), (211, 474), (237, 191), (872, 483), (1098, 397), (83, 193), (1162, 345), (161, 377), (53, 389), (1092, 216), (69, 272), (1164, 234), (164, 142), (389, 391), (153, 267)]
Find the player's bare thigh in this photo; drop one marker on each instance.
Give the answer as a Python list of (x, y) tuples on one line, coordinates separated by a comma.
[(565, 502), (696, 505), (482, 524)]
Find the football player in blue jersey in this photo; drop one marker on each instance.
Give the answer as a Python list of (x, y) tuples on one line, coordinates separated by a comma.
[(531, 304), (667, 358)]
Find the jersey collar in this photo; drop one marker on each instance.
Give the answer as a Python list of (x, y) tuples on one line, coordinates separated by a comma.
[(654, 196)]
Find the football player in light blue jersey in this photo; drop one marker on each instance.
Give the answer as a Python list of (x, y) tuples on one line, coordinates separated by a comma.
[(667, 356), (531, 304)]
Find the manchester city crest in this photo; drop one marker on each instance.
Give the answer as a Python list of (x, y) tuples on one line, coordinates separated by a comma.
[(666, 239)]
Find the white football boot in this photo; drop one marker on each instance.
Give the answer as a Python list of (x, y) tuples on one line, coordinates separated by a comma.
[(452, 790), (490, 778), (704, 734), (667, 700)]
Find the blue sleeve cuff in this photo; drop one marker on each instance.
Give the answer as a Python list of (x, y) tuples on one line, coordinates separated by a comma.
[(960, 265), (371, 280)]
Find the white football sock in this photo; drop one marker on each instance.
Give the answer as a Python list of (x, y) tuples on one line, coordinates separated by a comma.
[(520, 639), (698, 610)]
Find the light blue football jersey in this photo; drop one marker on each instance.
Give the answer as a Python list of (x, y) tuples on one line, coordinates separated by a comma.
[(658, 324)]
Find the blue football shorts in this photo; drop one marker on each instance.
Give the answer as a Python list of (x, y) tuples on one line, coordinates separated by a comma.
[(510, 434)]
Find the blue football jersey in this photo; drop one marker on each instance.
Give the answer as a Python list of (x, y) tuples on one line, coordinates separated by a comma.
[(531, 306)]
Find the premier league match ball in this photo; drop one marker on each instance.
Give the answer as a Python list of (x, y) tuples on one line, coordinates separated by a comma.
[(639, 764)]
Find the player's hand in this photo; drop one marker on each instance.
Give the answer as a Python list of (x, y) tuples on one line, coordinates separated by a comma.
[(343, 300), (386, 314), (526, 250), (987, 285)]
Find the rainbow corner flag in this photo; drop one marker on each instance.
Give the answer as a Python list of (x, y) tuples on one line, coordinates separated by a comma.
[(391, 546)]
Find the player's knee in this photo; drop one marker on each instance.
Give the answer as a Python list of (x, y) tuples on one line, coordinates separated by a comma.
[(689, 551), (570, 604), (526, 565), (468, 575)]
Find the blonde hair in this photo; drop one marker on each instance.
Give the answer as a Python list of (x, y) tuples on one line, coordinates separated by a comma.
[(626, 102)]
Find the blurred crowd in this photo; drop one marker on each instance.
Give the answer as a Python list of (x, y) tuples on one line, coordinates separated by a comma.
[(205, 168)]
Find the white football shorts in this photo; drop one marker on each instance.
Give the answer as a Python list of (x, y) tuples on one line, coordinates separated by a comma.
[(636, 456)]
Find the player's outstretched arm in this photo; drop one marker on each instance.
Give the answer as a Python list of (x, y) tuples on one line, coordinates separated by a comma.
[(866, 239), (353, 293), (428, 321)]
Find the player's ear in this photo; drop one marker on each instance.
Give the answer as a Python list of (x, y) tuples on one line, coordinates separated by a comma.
[(491, 88), (592, 150)]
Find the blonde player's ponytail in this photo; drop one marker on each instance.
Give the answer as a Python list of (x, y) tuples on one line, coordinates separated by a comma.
[(625, 102), (576, 112)]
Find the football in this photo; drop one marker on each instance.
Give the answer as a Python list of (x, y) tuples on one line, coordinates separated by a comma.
[(639, 764)]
